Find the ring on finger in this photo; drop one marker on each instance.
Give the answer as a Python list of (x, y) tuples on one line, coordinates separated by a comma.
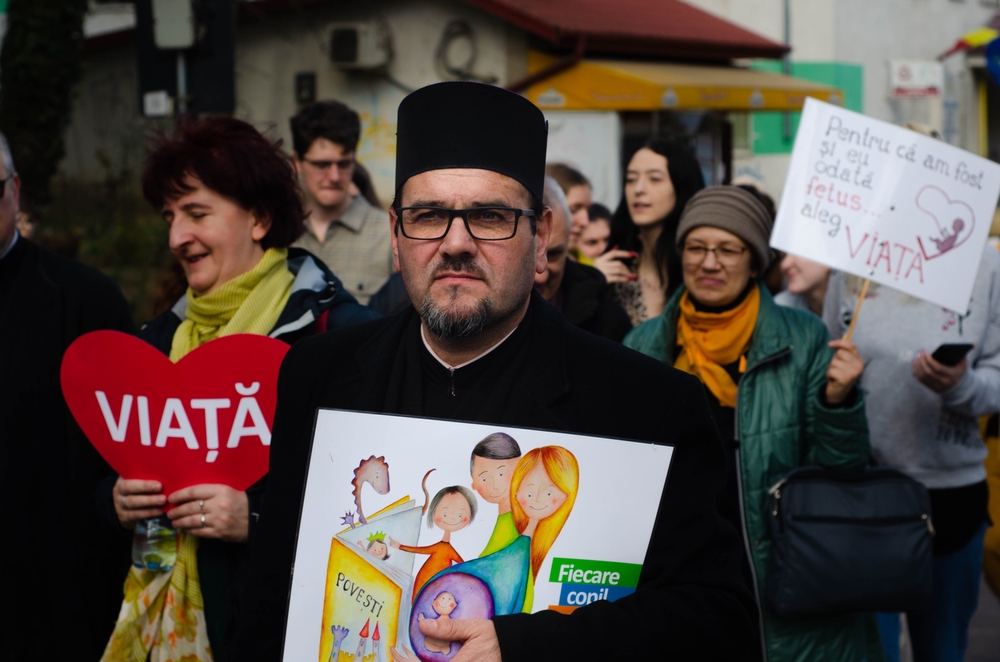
[(124, 507), (201, 505), (203, 520)]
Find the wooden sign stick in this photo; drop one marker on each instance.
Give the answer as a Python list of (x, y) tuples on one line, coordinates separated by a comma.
[(857, 310)]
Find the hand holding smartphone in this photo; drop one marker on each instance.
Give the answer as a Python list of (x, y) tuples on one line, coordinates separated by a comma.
[(951, 354)]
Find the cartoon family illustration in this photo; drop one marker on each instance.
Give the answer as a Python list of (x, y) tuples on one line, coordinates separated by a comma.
[(534, 494)]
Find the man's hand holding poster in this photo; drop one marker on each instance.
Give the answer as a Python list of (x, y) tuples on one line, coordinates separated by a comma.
[(407, 519), (887, 204), (204, 420)]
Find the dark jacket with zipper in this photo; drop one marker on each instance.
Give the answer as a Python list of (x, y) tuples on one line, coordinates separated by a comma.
[(691, 598), (780, 424), (317, 303)]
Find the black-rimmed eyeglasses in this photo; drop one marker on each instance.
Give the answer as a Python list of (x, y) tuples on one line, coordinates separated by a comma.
[(342, 164), (483, 223), (727, 255)]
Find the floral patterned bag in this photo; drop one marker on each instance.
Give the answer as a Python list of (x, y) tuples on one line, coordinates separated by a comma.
[(163, 614)]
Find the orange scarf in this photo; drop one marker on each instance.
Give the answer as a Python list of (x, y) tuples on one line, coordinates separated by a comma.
[(711, 340)]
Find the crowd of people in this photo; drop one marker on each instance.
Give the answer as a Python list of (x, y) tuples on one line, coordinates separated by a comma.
[(492, 289)]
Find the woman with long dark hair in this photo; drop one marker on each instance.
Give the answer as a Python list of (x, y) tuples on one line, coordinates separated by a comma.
[(642, 265)]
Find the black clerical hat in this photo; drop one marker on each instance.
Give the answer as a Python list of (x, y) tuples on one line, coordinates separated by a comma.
[(471, 125)]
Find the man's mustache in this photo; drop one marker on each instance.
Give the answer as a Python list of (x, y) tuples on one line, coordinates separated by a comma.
[(459, 264)]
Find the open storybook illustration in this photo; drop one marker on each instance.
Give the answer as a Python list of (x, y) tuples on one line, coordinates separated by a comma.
[(406, 519)]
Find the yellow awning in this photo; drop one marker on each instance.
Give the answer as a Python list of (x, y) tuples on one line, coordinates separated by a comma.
[(623, 85)]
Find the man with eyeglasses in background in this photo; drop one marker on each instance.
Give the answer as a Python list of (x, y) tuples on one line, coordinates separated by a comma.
[(342, 228), (481, 345), (52, 566)]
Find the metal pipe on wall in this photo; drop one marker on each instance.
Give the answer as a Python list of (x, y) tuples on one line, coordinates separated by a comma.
[(787, 64)]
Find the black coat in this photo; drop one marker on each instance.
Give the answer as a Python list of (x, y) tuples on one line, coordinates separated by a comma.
[(61, 581), (587, 302), (691, 602)]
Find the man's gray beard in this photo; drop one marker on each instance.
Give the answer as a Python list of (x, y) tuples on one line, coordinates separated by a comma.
[(447, 325)]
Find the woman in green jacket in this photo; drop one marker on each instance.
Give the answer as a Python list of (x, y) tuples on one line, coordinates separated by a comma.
[(783, 396)]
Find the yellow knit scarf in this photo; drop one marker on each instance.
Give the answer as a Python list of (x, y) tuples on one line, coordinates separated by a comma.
[(249, 303), (712, 340), (163, 614)]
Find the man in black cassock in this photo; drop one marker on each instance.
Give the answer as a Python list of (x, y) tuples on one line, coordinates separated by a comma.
[(61, 582), (480, 345)]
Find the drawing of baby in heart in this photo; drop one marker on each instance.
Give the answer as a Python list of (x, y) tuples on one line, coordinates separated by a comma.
[(953, 222)]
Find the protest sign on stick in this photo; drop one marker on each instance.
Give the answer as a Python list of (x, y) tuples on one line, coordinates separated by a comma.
[(887, 204)]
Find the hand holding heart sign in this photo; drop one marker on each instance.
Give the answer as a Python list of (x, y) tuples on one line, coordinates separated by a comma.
[(190, 436)]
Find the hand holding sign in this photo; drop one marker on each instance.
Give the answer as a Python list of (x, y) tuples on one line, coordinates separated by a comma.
[(844, 371), (205, 420)]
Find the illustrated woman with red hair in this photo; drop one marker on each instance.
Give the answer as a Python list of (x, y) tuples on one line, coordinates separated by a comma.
[(544, 485)]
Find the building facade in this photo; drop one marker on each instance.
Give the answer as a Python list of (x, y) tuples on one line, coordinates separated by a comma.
[(686, 85), (857, 45)]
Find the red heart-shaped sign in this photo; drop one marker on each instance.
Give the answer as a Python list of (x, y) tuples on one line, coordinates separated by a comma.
[(205, 419)]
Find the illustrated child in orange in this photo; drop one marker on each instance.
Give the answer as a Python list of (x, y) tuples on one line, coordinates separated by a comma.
[(452, 509)]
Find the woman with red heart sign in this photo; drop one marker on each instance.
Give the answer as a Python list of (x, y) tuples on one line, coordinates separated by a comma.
[(231, 200)]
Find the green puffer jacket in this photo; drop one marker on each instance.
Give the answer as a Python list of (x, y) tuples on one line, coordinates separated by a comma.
[(781, 424)]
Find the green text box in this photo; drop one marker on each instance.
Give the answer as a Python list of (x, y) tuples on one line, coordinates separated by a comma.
[(597, 573)]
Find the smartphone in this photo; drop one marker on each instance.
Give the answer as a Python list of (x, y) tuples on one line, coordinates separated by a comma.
[(951, 354), (628, 262)]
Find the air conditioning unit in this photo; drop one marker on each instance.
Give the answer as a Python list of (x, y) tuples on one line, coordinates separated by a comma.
[(359, 45)]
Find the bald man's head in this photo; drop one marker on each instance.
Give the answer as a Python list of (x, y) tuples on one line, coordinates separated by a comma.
[(554, 198), (548, 283)]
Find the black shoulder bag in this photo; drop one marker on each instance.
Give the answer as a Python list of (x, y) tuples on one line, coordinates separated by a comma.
[(857, 542)]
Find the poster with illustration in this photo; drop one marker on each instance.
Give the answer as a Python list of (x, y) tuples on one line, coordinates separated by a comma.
[(406, 519), (888, 204)]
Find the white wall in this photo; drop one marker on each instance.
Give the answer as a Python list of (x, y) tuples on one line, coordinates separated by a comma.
[(270, 54), (872, 33), (768, 169), (591, 143), (812, 34)]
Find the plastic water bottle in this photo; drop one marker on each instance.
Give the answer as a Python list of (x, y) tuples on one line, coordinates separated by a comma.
[(154, 545)]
